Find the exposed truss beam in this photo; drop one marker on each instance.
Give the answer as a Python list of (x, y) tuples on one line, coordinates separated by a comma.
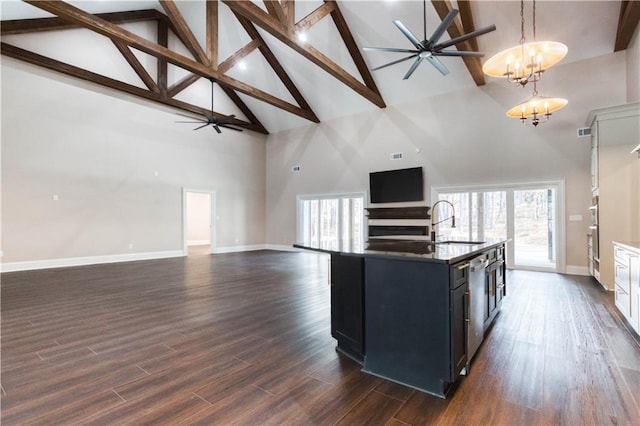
[(71, 13), (137, 66), (274, 27), (464, 6), (276, 10), (183, 31), (456, 29), (23, 26), (314, 17), (52, 64), (228, 63), (182, 84), (275, 64), (627, 24), (212, 32)]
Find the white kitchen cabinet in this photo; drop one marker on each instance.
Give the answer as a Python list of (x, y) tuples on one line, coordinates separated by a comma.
[(615, 183), (627, 281)]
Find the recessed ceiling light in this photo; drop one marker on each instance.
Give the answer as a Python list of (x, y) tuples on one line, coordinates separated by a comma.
[(242, 65), (301, 36)]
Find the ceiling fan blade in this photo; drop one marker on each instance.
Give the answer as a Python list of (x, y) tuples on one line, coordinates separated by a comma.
[(217, 129), (226, 126), (458, 53), (464, 37), (408, 34), (200, 127), (446, 22), (394, 62), (192, 122), (436, 63), (389, 49), (413, 68)]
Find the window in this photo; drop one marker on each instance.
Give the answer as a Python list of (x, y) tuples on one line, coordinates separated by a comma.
[(332, 221), (529, 215)]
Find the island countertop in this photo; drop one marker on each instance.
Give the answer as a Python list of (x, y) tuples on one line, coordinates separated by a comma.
[(421, 250)]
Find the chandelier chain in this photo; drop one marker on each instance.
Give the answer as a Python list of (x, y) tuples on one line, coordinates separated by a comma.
[(534, 21), (522, 39)]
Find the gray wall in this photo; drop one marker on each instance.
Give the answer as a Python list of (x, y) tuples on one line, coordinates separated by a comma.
[(464, 138), (99, 152)]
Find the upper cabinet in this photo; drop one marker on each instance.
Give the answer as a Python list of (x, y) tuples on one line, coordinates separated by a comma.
[(615, 179)]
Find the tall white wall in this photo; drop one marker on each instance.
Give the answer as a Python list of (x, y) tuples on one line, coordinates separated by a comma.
[(633, 68), (463, 138), (117, 166)]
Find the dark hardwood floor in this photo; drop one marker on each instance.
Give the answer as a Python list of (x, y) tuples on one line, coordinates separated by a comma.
[(245, 338)]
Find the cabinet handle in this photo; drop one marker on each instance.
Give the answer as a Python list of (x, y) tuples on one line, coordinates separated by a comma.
[(463, 266)]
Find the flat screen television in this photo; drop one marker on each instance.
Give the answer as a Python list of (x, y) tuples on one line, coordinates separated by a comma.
[(395, 186)]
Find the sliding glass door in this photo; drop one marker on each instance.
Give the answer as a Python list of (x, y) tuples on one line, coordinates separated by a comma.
[(333, 221), (528, 215)]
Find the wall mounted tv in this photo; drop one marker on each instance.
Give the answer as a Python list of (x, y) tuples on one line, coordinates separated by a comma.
[(394, 186)]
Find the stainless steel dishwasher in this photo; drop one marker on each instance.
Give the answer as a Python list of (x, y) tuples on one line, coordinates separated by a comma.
[(477, 305)]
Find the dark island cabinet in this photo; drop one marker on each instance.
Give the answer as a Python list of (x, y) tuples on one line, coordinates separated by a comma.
[(495, 287), (347, 304), (459, 317)]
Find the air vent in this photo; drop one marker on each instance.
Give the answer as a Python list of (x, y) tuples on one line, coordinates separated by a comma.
[(395, 156), (584, 131)]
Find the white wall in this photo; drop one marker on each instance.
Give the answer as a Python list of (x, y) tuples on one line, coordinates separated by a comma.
[(633, 68), (463, 137), (99, 152)]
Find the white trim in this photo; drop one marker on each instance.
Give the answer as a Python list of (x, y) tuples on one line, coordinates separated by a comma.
[(577, 270), (198, 242), (279, 247), (212, 219), (236, 249), (89, 260)]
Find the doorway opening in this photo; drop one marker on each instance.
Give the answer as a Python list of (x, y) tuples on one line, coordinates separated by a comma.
[(529, 215), (198, 221)]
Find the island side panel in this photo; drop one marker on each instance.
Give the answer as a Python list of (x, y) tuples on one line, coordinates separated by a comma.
[(347, 304), (407, 322)]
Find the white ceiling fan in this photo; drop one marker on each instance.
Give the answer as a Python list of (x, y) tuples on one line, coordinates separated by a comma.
[(428, 48)]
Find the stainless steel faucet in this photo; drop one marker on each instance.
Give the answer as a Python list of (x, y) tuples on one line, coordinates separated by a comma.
[(433, 217)]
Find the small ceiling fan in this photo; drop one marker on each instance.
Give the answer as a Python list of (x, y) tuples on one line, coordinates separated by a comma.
[(428, 49), (212, 120)]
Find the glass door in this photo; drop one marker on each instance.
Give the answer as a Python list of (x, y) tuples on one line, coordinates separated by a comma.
[(534, 228), (527, 215)]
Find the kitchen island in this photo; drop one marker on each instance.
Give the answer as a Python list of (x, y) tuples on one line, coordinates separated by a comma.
[(408, 310)]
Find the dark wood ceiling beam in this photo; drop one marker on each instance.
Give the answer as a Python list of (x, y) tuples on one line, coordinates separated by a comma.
[(273, 27), (627, 24), (275, 9), (472, 63), (23, 26), (275, 65), (73, 71), (162, 64), (228, 63), (72, 13), (289, 7), (354, 50), (466, 16), (235, 98), (137, 66), (182, 84), (212, 32), (183, 31), (314, 17)]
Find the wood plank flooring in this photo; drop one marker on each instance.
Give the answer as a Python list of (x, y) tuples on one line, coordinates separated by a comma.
[(244, 338)]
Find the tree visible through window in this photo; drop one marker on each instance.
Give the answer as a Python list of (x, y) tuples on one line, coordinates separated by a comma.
[(333, 222)]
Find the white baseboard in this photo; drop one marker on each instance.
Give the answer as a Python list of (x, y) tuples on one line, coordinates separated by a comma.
[(89, 260), (198, 242), (280, 247), (234, 249)]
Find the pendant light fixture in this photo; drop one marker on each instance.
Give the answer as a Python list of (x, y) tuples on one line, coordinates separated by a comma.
[(525, 62), (536, 108)]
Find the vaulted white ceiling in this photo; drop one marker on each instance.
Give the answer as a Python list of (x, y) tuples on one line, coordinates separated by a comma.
[(588, 28)]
